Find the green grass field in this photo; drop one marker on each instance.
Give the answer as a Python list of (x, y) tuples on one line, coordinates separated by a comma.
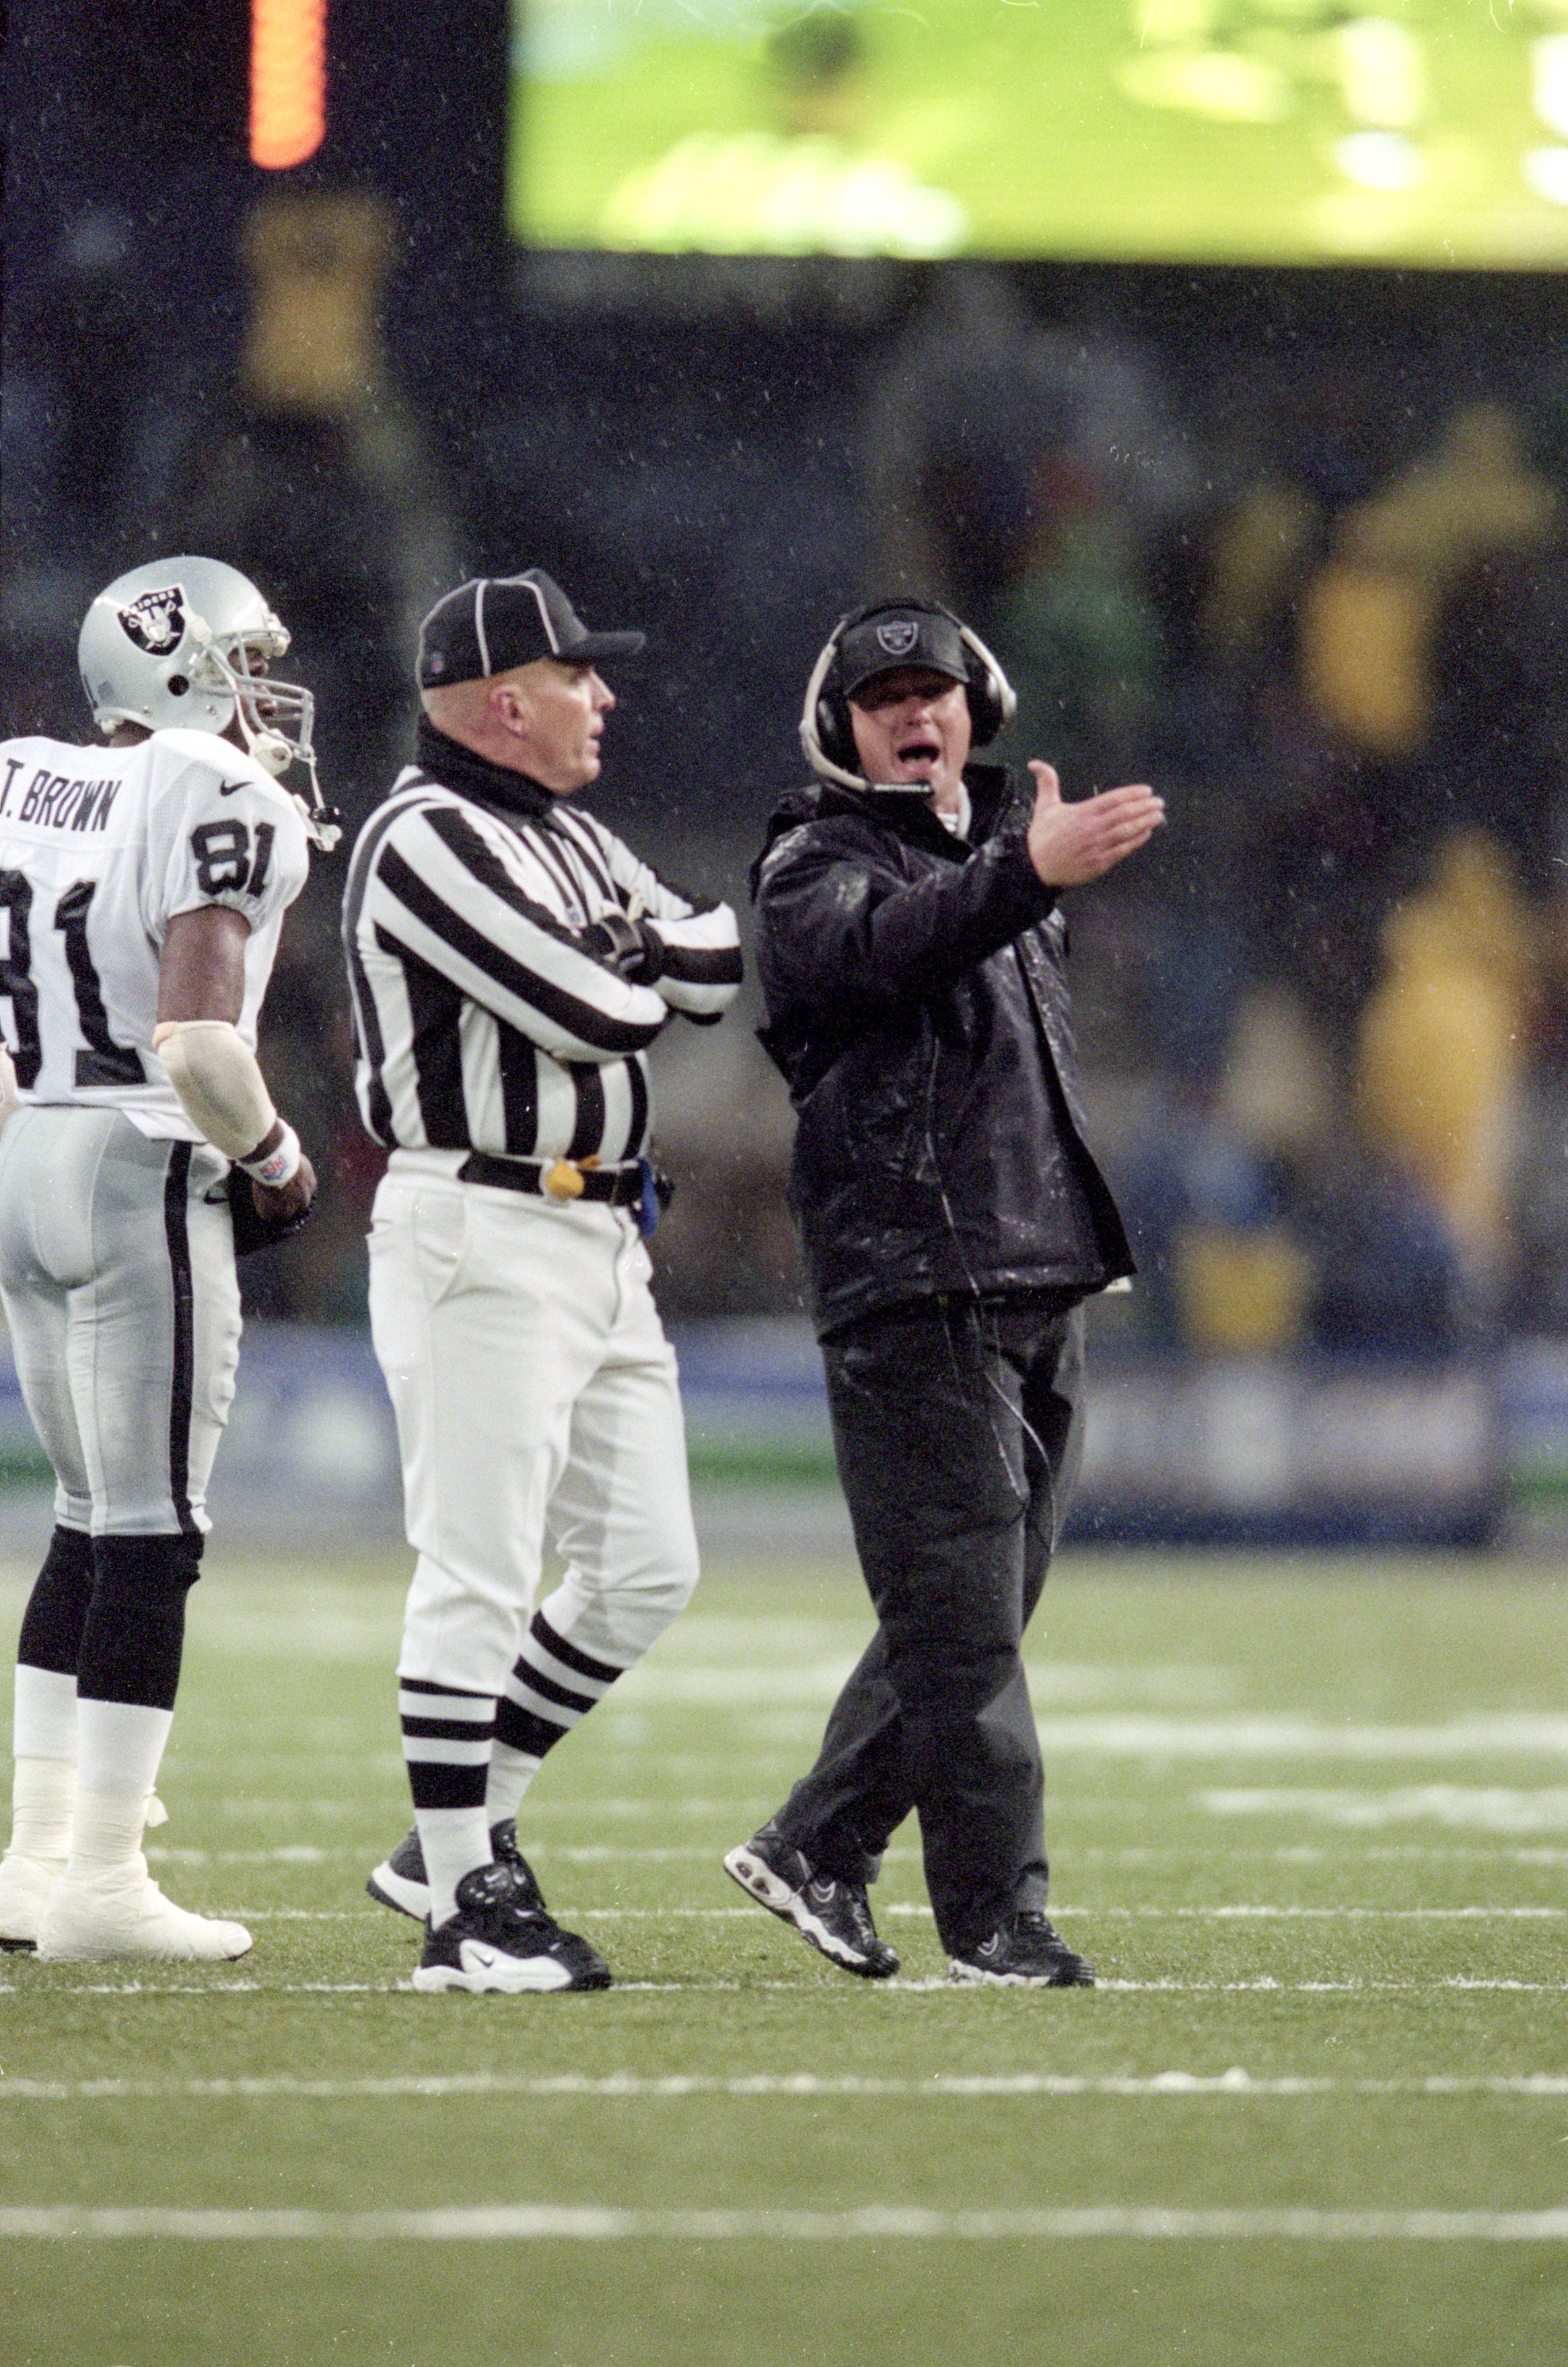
[(1311, 1818)]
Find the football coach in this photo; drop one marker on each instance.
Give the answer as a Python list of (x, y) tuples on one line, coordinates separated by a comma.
[(912, 952)]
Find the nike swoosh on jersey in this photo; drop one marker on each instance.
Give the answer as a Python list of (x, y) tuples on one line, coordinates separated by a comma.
[(227, 789)]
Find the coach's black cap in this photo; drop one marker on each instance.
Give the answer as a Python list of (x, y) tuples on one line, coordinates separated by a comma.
[(495, 622), (900, 636)]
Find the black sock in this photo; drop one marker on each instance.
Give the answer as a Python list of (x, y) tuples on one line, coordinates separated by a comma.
[(58, 1605), (135, 1629)]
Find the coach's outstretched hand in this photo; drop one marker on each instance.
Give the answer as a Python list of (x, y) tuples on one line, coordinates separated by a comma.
[(1071, 844)]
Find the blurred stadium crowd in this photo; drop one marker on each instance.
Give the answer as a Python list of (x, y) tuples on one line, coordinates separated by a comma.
[(1313, 587)]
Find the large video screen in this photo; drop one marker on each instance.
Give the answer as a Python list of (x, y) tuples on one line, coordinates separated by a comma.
[(1406, 132)]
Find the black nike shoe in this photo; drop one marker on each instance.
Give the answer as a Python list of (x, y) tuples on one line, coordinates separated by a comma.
[(1026, 1952), (399, 1881), (833, 1916), (493, 1942)]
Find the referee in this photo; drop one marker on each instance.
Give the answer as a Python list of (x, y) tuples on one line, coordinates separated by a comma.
[(511, 962)]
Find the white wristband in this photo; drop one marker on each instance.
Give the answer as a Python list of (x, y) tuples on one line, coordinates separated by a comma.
[(280, 1166)]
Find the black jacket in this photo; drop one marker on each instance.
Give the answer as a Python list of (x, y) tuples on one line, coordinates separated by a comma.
[(918, 1006)]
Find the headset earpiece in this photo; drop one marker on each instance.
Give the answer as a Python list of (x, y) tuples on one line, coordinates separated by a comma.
[(827, 735), (993, 701), (835, 732)]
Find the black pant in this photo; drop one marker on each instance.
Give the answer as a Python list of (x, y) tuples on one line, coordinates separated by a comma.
[(957, 1426)]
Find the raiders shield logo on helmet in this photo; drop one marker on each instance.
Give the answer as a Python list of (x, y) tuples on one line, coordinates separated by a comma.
[(899, 637), (156, 622)]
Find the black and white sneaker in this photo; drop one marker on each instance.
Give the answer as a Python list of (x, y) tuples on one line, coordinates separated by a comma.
[(1028, 1952), (493, 1942), (399, 1881), (833, 1916)]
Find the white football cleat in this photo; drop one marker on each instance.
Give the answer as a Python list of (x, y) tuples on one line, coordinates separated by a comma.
[(118, 1910), (27, 1885)]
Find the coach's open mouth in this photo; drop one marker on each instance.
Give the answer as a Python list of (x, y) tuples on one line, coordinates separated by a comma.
[(920, 752)]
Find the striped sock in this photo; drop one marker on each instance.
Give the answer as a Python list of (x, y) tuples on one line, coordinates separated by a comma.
[(551, 1688), (447, 1735)]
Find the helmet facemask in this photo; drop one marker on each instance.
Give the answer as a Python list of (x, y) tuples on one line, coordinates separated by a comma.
[(276, 718)]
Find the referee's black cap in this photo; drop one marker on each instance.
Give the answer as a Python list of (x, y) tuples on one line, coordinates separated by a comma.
[(495, 622)]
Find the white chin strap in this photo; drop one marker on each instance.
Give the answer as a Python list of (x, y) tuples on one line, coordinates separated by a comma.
[(270, 749), (274, 750), (274, 753)]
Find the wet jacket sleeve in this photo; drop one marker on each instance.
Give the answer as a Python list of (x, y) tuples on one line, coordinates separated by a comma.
[(842, 935)]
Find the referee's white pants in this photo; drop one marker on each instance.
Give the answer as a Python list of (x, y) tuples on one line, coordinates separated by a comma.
[(117, 1272), (537, 1401)]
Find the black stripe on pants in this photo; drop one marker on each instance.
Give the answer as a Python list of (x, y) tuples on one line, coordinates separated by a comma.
[(182, 1371)]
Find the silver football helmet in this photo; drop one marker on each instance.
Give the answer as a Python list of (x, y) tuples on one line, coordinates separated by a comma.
[(179, 645)]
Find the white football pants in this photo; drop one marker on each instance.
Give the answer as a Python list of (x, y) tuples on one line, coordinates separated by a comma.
[(117, 1274), (536, 1400)]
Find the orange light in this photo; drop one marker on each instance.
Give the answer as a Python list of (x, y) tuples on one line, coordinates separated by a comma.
[(289, 80)]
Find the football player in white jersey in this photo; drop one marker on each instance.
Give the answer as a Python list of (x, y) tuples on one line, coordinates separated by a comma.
[(143, 885)]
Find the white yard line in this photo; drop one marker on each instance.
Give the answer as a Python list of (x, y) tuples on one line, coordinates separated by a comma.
[(1265, 1981), (1482, 1734), (1551, 2085), (564, 2223), (592, 1853), (1238, 1914), (1344, 1853), (1111, 1731), (294, 1853), (1140, 1733), (1495, 1808), (935, 1984), (742, 1808), (912, 1908), (706, 1853)]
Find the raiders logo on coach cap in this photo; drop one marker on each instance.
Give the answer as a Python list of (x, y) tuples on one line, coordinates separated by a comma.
[(901, 637), (495, 622)]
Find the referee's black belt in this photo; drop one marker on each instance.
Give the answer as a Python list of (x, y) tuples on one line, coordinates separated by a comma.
[(547, 1178)]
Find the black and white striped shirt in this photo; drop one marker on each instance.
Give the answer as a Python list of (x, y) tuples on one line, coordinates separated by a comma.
[(483, 1021)]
